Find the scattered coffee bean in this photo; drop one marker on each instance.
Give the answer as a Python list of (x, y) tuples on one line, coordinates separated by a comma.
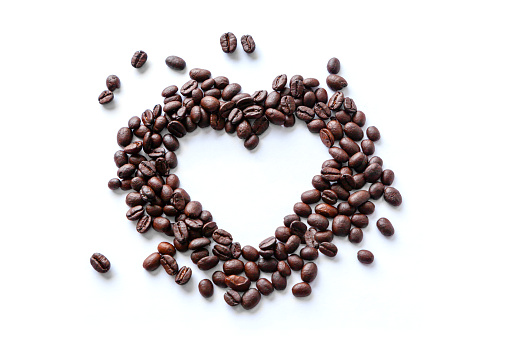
[(365, 256), (248, 43), (333, 66), (152, 261), (392, 196), (385, 227), (139, 58), (309, 272), (264, 286), (105, 97), (206, 288), (183, 276), (232, 298), (100, 263), (228, 42), (112, 82)]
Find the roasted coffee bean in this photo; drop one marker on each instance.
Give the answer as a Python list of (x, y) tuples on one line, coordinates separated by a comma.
[(373, 133), (385, 227), (170, 142), (324, 236), (180, 246), (219, 279), (244, 130), (120, 158), (329, 197), (328, 249), (359, 220), (365, 257), (180, 231), (321, 95), (126, 171), (266, 254), (230, 91), (199, 243), (279, 83), (183, 276), (267, 265), (392, 196), (274, 116), (166, 248), (344, 208), (169, 91), (310, 197), (175, 62), (177, 129), (330, 173), (322, 111), (273, 99), (228, 42), (309, 99), (209, 228), (161, 224), (359, 118), (376, 190), (336, 82), (377, 160), (154, 210), (309, 272), (292, 244), (350, 146), (135, 213), (114, 184), (252, 271), (302, 209), (264, 286), (260, 96), (311, 82), (349, 106), (316, 125), (238, 283), (296, 86), (336, 100), (320, 183), (288, 105), (372, 173), (250, 253), (248, 43), (112, 82), (193, 209), (105, 97), (309, 237), (280, 251), (353, 131), (333, 66), (236, 116), (368, 147), (199, 74), (278, 281), (355, 235), (141, 131), (134, 199), (147, 193), (169, 264), (331, 163), (340, 155), (260, 125), (268, 243), (251, 142), (139, 58), (301, 290), (367, 208), (250, 299), (309, 253), (208, 84), (177, 200), (206, 288), (327, 137), (387, 177), (124, 136), (222, 252), (216, 122), (188, 87), (358, 198), (283, 233), (295, 262), (288, 219), (232, 298), (341, 193), (197, 255), (358, 161), (236, 250), (305, 113), (298, 228), (283, 269), (208, 262), (233, 267), (222, 237), (152, 262), (318, 221), (100, 263)]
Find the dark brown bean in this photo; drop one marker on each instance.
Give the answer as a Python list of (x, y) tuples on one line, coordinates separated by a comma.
[(355, 235), (392, 196), (219, 279), (238, 283), (365, 257), (250, 299), (100, 263), (295, 262), (183, 276), (385, 227), (228, 42), (264, 286), (232, 298), (207, 263), (169, 264), (152, 261), (309, 272), (250, 253), (252, 271), (206, 288), (373, 133), (333, 66)]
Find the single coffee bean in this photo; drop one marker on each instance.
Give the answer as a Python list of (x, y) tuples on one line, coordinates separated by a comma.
[(268, 243), (175, 62), (228, 42), (273, 99), (377, 160), (309, 238), (372, 173), (169, 91), (152, 262), (238, 283), (199, 243), (310, 197), (166, 248), (193, 209), (232, 298), (387, 177), (367, 208), (373, 133), (219, 279), (338, 154), (280, 251), (100, 263), (321, 95), (252, 271), (248, 43), (355, 235), (250, 253), (336, 82), (350, 146), (288, 105), (329, 197), (244, 130), (236, 250), (341, 225), (139, 58), (345, 208), (318, 221), (199, 74), (274, 116), (341, 193), (302, 209), (368, 147), (161, 224), (311, 82), (392, 196), (326, 210), (295, 262), (105, 97), (349, 106), (251, 298), (322, 110), (135, 213), (197, 255), (279, 83), (324, 236), (316, 125), (112, 82), (206, 288), (358, 198), (233, 267), (298, 228), (278, 281), (305, 113), (359, 220), (309, 99), (331, 163), (359, 118), (309, 272), (264, 286), (336, 101), (301, 290), (180, 246), (385, 227), (287, 221), (365, 256), (183, 276), (292, 244), (222, 237), (120, 158), (320, 183), (327, 137), (267, 265), (309, 253), (114, 184), (353, 131), (296, 86), (333, 66), (376, 190), (282, 233), (207, 263)]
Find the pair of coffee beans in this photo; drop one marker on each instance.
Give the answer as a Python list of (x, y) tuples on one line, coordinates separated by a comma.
[(228, 43), (112, 83)]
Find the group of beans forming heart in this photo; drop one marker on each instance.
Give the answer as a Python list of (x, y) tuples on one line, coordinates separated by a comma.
[(148, 156)]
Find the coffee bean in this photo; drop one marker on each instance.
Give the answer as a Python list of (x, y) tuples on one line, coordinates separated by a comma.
[(264, 286), (135, 213), (314, 126), (228, 42), (368, 147), (120, 158), (280, 251), (233, 267), (296, 86), (207, 263), (359, 118), (169, 91), (336, 100), (330, 173), (308, 253), (251, 298), (373, 172), (349, 106), (105, 97), (267, 265), (222, 237), (177, 129), (365, 256), (252, 271), (298, 228), (387, 177), (274, 116), (279, 83), (373, 133), (327, 137), (180, 246), (273, 100), (322, 111), (282, 233), (183, 276), (166, 248), (295, 262), (288, 219), (310, 197), (152, 262), (232, 298), (175, 62), (112, 82), (219, 279), (161, 224), (302, 209), (376, 190), (336, 82), (355, 235), (358, 198), (100, 263), (301, 290), (318, 221), (199, 243), (333, 66), (305, 113), (114, 184), (197, 255), (309, 99), (248, 43), (344, 208), (320, 183), (268, 243), (139, 58), (309, 272), (353, 131), (278, 281), (367, 208), (206, 288), (392, 196), (321, 95), (309, 238), (238, 283), (169, 264), (385, 227), (340, 155), (324, 236), (292, 244), (329, 197), (250, 253), (199, 74), (359, 220)]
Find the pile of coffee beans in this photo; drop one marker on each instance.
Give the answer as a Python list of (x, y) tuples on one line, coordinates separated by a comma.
[(343, 190)]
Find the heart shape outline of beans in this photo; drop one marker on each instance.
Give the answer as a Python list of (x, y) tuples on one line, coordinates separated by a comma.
[(204, 101)]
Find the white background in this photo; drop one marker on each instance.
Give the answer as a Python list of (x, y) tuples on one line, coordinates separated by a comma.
[(431, 75)]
